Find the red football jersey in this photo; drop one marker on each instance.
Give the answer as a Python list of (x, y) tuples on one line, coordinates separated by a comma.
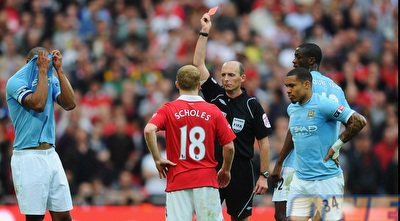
[(191, 126)]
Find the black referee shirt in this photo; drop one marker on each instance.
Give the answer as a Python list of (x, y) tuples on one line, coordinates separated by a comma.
[(244, 113)]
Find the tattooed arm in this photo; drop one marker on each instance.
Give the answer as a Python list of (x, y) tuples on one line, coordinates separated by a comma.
[(353, 126)]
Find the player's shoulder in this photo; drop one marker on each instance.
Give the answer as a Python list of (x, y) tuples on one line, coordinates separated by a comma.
[(250, 100), (209, 106), (323, 102), (12, 82), (319, 75), (170, 105), (316, 97), (20, 74)]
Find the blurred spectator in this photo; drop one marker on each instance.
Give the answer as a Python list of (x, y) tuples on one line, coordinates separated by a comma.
[(84, 196), (128, 21), (262, 19), (387, 147), (364, 174), (95, 100), (92, 193), (81, 158), (278, 138), (11, 14), (89, 15), (352, 92), (392, 176), (153, 184), (389, 71), (300, 18), (277, 107), (154, 96), (10, 61), (226, 18), (373, 34), (6, 186), (124, 191), (64, 33), (121, 147)]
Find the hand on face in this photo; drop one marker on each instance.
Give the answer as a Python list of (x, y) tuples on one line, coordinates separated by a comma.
[(57, 59), (43, 61)]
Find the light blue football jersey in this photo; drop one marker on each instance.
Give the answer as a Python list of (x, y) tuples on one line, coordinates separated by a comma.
[(31, 127), (314, 129), (327, 88)]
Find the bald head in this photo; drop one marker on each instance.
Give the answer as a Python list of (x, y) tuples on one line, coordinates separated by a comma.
[(234, 65), (34, 52)]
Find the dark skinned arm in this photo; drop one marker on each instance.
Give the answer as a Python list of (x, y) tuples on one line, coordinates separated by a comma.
[(353, 126), (287, 147), (37, 100)]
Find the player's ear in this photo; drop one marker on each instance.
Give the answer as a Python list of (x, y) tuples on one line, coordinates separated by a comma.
[(311, 60), (307, 84), (176, 84), (243, 77)]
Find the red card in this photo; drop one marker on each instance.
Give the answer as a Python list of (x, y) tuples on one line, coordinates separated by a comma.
[(213, 10)]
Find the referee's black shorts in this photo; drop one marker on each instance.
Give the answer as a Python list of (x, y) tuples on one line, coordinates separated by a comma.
[(238, 195)]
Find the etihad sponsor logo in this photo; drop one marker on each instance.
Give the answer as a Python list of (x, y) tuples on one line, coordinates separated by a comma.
[(303, 129)]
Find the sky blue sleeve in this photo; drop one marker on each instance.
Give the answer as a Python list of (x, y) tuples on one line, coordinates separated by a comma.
[(335, 111), (56, 88)]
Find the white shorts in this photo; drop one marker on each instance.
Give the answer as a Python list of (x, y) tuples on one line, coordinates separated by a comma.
[(281, 189), (40, 182), (203, 201), (325, 195)]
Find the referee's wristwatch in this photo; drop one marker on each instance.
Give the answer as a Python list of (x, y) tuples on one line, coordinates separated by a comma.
[(264, 174)]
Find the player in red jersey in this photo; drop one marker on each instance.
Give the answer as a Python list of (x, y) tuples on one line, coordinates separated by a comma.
[(191, 126)]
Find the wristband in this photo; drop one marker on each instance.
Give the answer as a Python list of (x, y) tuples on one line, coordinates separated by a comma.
[(337, 145), (205, 34)]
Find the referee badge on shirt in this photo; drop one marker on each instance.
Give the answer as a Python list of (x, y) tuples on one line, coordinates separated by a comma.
[(266, 121), (237, 124), (311, 114)]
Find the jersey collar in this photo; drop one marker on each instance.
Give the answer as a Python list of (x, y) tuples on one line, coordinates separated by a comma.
[(190, 98)]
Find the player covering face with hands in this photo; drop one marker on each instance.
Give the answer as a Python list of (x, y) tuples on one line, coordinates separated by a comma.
[(39, 179)]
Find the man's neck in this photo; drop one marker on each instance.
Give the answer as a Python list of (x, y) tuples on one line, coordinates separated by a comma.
[(234, 93), (314, 67)]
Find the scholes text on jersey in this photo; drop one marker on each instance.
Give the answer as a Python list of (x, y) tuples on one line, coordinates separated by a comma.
[(192, 113)]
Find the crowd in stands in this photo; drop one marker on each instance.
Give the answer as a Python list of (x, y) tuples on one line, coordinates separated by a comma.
[(121, 57)]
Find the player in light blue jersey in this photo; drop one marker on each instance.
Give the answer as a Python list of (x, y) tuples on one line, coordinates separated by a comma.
[(309, 56), (39, 179), (318, 180)]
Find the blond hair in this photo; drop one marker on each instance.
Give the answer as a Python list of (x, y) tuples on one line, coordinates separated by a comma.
[(188, 77)]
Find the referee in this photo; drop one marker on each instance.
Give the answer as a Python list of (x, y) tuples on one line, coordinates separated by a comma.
[(249, 122)]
